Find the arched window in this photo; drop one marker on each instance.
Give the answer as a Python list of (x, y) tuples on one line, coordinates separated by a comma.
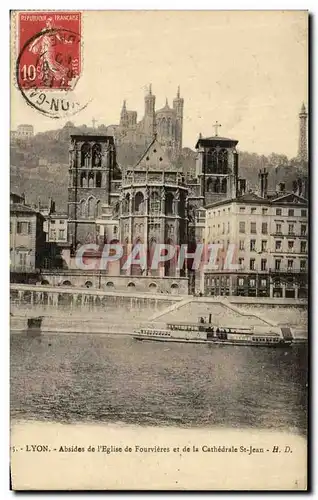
[(209, 185), (85, 155), (66, 283), (224, 185), (97, 155), (169, 204), (223, 161), (217, 185), (82, 209), (88, 284), (97, 210), (83, 179), (153, 286), (126, 207), (91, 207), (139, 203), (131, 285), (109, 284), (91, 180), (98, 179)]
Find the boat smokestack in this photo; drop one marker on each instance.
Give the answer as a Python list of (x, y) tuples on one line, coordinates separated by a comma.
[(210, 317)]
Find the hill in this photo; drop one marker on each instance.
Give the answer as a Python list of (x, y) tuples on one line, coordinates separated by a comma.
[(39, 166)]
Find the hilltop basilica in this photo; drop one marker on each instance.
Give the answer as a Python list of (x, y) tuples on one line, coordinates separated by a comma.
[(166, 122)]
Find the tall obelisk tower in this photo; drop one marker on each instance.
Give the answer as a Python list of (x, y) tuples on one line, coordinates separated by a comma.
[(302, 147)]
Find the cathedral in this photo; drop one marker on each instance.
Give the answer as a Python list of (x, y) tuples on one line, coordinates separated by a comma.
[(166, 122)]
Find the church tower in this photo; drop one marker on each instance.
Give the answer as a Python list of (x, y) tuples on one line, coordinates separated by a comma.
[(302, 146), (124, 120), (149, 118), (178, 103)]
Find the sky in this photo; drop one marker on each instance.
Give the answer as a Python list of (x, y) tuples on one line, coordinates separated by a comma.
[(247, 70)]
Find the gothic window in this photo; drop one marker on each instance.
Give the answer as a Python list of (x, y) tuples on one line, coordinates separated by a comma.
[(217, 186), (154, 202), (97, 155), (169, 127), (91, 207), (91, 180), (83, 179), (82, 209), (209, 185), (169, 204), (139, 203), (116, 211), (126, 207), (97, 211), (224, 186), (98, 180), (164, 127), (223, 161), (85, 155)]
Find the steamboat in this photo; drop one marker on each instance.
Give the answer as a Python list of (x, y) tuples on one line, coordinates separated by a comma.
[(204, 332)]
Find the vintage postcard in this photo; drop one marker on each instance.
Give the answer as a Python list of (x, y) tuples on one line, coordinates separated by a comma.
[(159, 250)]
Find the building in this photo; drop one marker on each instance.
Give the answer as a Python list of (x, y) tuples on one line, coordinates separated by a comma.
[(27, 236), (24, 131), (166, 122), (93, 185), (270, 232)]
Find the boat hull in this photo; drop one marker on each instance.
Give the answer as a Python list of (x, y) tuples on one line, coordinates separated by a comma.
[(247, 343)]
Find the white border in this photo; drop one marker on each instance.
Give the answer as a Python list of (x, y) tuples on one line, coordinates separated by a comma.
[(4, 198)]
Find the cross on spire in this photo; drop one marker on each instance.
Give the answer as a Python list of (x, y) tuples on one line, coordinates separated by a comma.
[(216, 126), (94, 122)]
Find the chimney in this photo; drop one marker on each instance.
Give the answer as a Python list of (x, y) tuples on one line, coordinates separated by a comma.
[(263, 183), (236, 169)]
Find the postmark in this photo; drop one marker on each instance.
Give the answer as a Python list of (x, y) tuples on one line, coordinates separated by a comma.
[(49, 62)]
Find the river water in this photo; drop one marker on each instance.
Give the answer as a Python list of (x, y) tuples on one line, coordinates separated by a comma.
[(91, 378)]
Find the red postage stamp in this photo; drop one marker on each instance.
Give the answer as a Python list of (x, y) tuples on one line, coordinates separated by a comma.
[(49, 50)]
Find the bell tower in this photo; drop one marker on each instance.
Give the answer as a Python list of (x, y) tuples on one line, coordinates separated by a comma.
[(91, 170), (150, 117)]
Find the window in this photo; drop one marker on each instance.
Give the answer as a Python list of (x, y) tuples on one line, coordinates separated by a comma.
[(241, 245), (62, 222), (242, 227), (223, 228), (23, 228), (10, 227), (291, 212), (303, 265), (264, 245), (52, 221), (263, 264), (264, 211), (264, 228), (278, 228), (303, 229), (290, 245), (263, 282), (303, 213), (290, 228), (241, 281), (212, 282), (253, 245), (277, 264), (228, 227), (253, 227), (278, 211), (252, 282), (290, 264), (241, 261), (22, 259), (253, 210), (242, 210), (278, 245), (61, 234), (303, 246), (53, 234), (252, 264)]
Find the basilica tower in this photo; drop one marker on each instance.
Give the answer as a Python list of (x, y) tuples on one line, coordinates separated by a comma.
[(178, 103), (150, 118)]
